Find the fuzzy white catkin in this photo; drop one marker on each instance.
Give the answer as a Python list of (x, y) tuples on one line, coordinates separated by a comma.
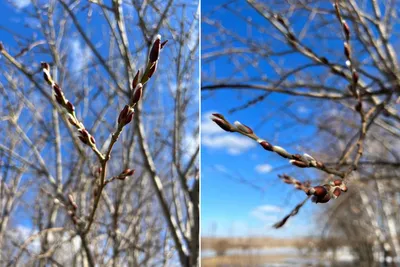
[(280, 150), (308, 157), (241, 127)]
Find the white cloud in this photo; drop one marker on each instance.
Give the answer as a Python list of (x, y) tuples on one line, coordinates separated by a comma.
[(269, 208), (79, 55), (215, 138), (208, 126), (22, 233), (233, 144), (21, 3), (263, 168), (190, 143)]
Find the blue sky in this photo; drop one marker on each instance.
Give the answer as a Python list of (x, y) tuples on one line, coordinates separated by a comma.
[(230, 206)]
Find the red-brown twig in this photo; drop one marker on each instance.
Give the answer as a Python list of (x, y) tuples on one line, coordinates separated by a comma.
[(124, 118)]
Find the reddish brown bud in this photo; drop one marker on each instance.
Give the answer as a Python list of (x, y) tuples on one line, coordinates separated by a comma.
[(59, 99), (286, 179), (57, 90), (84, 136), (280, 20), (85, 133), (69, 107), (291, 37), (355, 77), (127, 172), (155, 50), (324, 60), (336, 192), (92, 140), (347, 49), (83, 139), (324, 199), (152, 69), (45, 65), (46, 78), (266, 145), (300, 164), (243, 128), (223, 124), (337, 182), (346, 30), (129, 117), (137, 94), (218, 116), (163, 44), (320, 191), (320, 165), (296, 156), (1, 46), (126, 115), (73, 121), (123, 114), (135, 80)]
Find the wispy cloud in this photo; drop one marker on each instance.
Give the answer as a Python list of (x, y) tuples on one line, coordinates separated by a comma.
[(215, 138), (80, 55), (208, 127), (263, 168), (234, 145), (190, 144), (21, 3), (22, 233)]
